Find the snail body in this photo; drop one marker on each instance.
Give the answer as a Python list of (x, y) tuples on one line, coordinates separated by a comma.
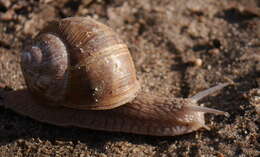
[(80, 73)]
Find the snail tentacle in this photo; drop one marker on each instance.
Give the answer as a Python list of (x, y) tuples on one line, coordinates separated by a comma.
[(207, 92), (205, 110), (202, 95)]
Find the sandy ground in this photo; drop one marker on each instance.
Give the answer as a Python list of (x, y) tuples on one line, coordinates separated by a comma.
[(179, 47)]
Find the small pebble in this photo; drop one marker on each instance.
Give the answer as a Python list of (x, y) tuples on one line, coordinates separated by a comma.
[(214, 51), (5, 3), (198, 62)]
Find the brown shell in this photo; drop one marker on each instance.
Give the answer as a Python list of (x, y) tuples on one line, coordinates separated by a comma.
[(80, 63)]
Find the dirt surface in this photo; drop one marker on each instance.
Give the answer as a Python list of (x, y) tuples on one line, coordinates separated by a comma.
[(179, 47)]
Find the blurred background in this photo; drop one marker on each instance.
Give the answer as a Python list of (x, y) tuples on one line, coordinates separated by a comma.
[(179, 47)]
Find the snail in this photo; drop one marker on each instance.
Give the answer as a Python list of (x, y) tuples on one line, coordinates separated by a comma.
[(80, 73)]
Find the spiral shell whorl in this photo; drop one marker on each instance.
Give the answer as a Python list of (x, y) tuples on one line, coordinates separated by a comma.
[(44, 66)]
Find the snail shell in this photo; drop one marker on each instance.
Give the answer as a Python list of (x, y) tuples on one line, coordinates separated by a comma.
[(80, 63), (80, 73)]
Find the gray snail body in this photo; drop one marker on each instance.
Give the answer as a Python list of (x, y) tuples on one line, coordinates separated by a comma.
[(80, 73)]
